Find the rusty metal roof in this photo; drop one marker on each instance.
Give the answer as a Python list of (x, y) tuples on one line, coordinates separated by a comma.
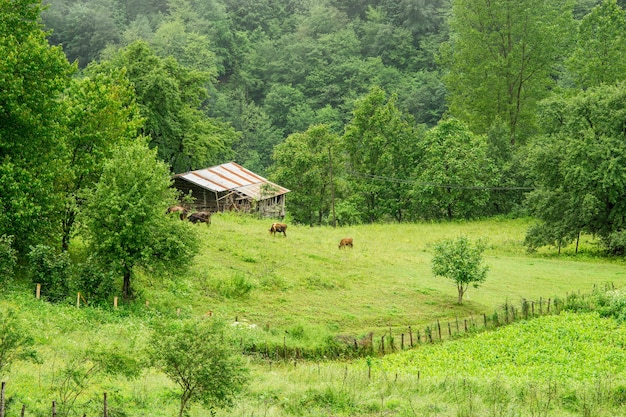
[(233, 177)]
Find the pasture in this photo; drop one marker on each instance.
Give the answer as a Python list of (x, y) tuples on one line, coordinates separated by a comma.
[(303, 290), (304, 280)]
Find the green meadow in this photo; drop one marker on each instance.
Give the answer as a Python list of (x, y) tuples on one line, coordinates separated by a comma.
[(303, 291)]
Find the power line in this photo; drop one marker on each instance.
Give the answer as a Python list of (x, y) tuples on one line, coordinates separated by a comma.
[(436, 185)]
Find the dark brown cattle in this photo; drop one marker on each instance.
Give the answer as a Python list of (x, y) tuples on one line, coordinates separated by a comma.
[(346, 241), (182, 211), (200, 217), (278, 227)]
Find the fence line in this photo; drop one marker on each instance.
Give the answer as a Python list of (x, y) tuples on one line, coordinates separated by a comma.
[(436, 332)]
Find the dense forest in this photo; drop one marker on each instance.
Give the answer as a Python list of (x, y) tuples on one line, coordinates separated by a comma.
[(368, 111)]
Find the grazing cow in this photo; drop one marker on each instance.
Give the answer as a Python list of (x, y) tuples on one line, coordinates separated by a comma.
[(182, 211), (278, 227), (346, 241), (200, 217)]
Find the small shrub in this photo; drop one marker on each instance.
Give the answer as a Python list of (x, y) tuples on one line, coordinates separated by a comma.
[(94, 282), (51, 270)]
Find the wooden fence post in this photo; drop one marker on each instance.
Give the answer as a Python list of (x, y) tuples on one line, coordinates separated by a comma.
[(548, 306), (23, 410), (38, 291), (485, 320), (54, 409), (115, 302), (439, 329), (78, 300), (449, 330), (411, 335), (105, 412), (402, 342)]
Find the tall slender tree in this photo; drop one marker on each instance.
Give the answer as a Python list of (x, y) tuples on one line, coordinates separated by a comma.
[(501, 60), (599, 54)]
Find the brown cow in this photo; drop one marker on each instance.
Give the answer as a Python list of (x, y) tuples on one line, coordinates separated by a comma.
[(346, 241), (182, 211), (200, 217), (278, 227)]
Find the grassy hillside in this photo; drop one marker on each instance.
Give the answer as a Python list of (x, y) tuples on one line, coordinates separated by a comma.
[(244, 272), (302, 289)]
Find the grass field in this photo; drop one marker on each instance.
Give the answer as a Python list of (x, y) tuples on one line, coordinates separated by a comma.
[(242, 271), (303, 289)]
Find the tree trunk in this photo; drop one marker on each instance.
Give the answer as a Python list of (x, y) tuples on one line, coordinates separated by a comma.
[(126, 290), (461, 291)]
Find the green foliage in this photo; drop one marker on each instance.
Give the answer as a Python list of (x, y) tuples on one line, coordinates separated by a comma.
[(597, 58), (461, 261), (500, 59), (95, 282), (124, 220), (309, 164), (453, 173), (380, 142), (50, 269), (16, 342), (578, 166), (170, 96), (198, 357), (101, 114), (84, 368), (32, 75), (8, 258)]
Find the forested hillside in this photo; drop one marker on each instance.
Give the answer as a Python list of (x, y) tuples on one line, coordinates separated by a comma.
[(371, 111)]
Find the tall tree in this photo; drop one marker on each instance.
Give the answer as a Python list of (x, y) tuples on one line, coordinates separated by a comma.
[(599, 55), (170, 98), (453, 176), (501, 60), (125, 222), (101, 113), (33, 75), (382, 151), (309, 164), (580, 168)]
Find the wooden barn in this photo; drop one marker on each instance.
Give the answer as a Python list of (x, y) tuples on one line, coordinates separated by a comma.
[(231, 187)]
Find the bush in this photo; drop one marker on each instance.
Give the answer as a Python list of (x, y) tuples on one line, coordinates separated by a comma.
[(95, 283), (51, 270)]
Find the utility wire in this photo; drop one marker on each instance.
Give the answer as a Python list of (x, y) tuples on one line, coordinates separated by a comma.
[(435, 185)]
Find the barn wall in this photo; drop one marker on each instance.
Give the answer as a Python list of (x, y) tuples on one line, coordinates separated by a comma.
[(207, 200)]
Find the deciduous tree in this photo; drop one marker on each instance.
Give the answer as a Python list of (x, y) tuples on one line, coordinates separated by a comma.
[(198, 357), (601, 47), (579, 164), (125, 219), (309, 165), (453, 176), (501, 60), (33, 75), (461, 261), (382, 150)]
